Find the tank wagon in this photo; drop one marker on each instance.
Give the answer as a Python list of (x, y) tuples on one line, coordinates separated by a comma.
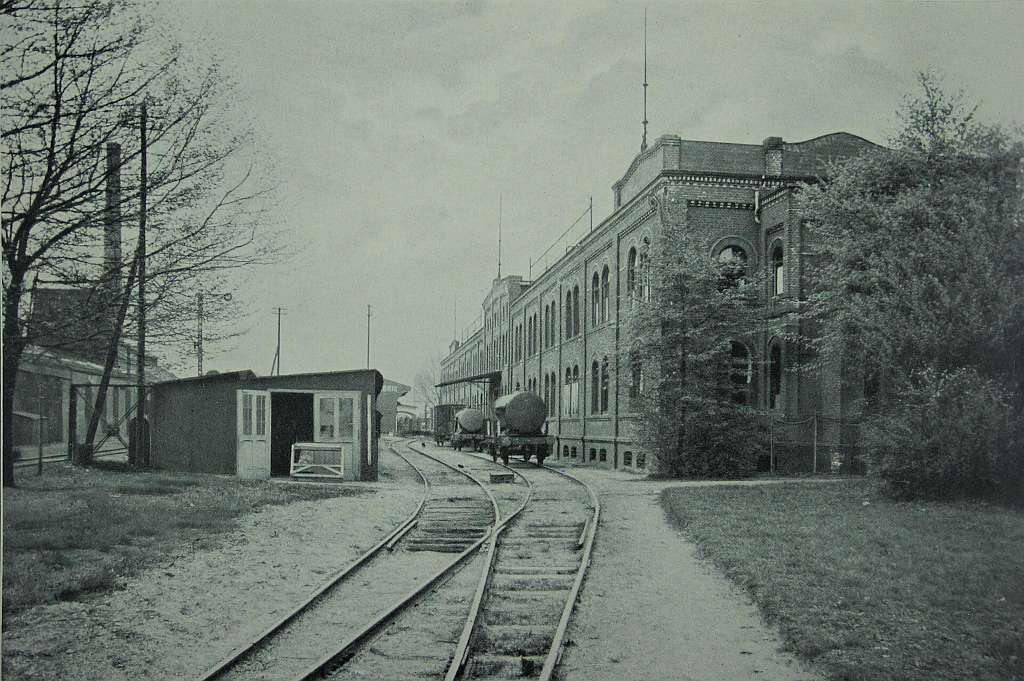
[(521, 428), (444, 422), (470, 429)]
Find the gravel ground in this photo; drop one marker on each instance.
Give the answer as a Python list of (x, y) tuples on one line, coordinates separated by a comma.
[(179, 619), (650, 609)]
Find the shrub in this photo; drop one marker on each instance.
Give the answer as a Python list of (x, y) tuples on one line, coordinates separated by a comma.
[(948, 434), (715, 441)]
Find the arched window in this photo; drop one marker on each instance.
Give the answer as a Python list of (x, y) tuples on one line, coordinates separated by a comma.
[(627, 458), (547, 396), (573, 453), (576, 389), (631, 273), (565, 451), (636, 384), (595, 298), (775, 376), (575, 310), (741, 372), (645, 277), (546, 342), (732, 266), (778, 270), (593, 454), (603, 454), (568, 314), (604, 294), (554, 389), (594, 387), (604, 385), (567, 393), (641, 460)]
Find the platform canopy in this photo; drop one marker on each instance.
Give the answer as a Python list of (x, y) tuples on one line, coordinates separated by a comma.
[(485, 377)]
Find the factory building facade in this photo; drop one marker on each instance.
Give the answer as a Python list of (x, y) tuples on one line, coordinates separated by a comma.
[(560, 334)]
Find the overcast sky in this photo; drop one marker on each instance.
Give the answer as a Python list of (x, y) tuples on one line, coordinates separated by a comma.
[(395, 126)]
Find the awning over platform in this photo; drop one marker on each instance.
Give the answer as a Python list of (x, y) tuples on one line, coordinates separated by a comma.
[(486, 377)]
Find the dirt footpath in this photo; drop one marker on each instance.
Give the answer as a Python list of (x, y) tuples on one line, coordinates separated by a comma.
[(176, 620), (650, 610)]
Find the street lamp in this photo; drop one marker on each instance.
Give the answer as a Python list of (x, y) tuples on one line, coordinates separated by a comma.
[(199, 326)]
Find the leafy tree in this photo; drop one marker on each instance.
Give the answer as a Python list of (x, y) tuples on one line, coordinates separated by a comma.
[(691, 315), (73, 77), (918, 276)]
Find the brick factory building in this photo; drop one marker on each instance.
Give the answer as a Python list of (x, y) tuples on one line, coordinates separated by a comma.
[(560, 334)]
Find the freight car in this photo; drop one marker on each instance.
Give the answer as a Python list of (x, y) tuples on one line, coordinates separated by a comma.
[(521, 428), (444, 422), (470, 429)]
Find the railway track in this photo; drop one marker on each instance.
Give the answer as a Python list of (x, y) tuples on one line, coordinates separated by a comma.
[(453, 520), (530, 583)]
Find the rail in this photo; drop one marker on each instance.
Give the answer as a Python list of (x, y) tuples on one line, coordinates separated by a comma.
[(238, 653)]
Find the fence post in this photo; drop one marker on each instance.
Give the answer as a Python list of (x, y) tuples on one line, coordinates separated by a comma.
[(72, 423), (815, 446)]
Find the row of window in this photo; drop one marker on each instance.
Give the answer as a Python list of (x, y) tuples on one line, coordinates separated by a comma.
[(601, 455)]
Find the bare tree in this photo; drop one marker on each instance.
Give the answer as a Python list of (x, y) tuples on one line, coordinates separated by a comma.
[(73, 77), (424, 388)]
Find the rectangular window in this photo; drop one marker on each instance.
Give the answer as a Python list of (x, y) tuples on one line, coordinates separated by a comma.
[(345, 417), (246, 414), (261, 414), (327, 418)]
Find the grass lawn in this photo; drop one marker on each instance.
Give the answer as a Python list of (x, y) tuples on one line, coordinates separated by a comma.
[(868, 588), (74, 532)]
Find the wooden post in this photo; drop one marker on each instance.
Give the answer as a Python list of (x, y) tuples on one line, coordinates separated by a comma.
[(72, 423), (815, 446), (39, 412)]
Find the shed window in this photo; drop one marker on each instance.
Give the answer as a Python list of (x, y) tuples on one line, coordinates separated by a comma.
[(261, 414), (246, 414)]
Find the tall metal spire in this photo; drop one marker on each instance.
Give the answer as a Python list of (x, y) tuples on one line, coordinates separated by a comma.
[(643, 143)]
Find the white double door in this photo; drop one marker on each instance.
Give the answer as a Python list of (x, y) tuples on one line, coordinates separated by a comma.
[(253, 434)]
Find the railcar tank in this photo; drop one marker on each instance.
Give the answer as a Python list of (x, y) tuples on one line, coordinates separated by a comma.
[(521, 428)]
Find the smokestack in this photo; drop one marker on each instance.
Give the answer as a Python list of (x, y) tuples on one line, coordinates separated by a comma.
[(112, 219)]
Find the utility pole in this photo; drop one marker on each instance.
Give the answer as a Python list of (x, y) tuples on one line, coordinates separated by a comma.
[(141, 450), (277, 353), (368, 308), (199, 331)]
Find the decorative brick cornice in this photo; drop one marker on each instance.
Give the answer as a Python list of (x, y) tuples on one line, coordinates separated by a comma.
[(734, 205), (726, 179)]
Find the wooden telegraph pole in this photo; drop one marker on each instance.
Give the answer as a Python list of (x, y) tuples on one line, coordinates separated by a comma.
[(141, 450)]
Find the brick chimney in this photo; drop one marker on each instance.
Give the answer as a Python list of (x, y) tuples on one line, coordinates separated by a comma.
[(112, 219), (772, 156)]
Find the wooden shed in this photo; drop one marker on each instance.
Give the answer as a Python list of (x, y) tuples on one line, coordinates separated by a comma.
[(238, 423)]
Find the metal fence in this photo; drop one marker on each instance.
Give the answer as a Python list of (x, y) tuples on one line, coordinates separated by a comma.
[(814, 444)]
